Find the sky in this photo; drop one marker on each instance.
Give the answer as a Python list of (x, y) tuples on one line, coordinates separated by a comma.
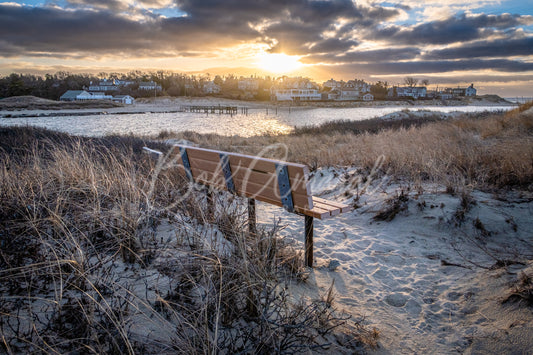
[(448, 42)]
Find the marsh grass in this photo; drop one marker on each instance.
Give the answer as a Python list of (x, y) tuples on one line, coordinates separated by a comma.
[(84, 267)]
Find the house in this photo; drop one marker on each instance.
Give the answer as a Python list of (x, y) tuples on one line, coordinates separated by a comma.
[(333, 84), (248, 84), (82, 95), (415, 92), (149, 85), (295, 89), (348, 93), (368, 97), (296, 94), (100, 96), (124, 99), (104, 85), (75, 95), (470, 91), (359, 85), (211, 88)]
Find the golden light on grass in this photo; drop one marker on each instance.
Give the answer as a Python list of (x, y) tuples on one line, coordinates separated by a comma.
[(278, 63)]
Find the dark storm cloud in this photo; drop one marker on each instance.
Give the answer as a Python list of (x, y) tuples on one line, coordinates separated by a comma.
[(310, 28), (98, 27), (455, 29), (502, 47), (104, 32), (441, 66), (389, 54), (333, 45)]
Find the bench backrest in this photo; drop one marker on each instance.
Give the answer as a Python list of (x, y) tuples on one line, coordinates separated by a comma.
[(268, 180)]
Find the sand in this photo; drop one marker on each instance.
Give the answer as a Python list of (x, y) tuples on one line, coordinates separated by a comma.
[(427, 280)]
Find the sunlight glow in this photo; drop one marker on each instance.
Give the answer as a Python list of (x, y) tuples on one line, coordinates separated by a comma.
[(278, 63)]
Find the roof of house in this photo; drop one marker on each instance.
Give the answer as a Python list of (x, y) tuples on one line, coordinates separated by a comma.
[(72, 94)]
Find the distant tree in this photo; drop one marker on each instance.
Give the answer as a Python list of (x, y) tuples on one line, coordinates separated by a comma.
[(379, 90), (425, 82), (410, 81), (218, 80)]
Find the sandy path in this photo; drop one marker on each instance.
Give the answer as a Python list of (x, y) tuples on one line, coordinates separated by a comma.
[(413, 277)]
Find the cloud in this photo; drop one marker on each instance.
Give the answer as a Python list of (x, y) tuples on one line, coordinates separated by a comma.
[(490, 49), (373, 56), (329, 32), (439, 66), (452, 30)]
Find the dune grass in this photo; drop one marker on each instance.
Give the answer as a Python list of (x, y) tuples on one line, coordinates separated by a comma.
[(87, 266)]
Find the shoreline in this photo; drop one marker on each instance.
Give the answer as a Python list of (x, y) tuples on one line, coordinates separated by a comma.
[(34, 107)]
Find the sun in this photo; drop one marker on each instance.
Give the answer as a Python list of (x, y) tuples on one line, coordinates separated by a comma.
[(279, 63)]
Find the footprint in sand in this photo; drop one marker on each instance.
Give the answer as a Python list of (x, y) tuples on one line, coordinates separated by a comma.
[(396, 300)]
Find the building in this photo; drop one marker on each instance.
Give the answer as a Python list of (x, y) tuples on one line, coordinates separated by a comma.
[(104, 85), (295, 89), (415, 92), (100, 96), (296, 95), (211, 88), (470, 91), (368, 97), (346, 91), (333, 84), (248, 84), (124, 99), (149, 85), (82, 95), (75, 95)]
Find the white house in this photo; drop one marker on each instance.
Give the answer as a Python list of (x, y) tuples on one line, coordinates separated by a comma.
[(211, 88), (296, 94), (248, 84), (82, 95), (414, 92), (124, 99), (470, 91), (75, 95), (100, 96), (149, 85), (295, 89), (349, 93), (104, 85), (368, 97), (333, 84)]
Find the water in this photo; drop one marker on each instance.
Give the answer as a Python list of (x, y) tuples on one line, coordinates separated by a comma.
[(257, 121)]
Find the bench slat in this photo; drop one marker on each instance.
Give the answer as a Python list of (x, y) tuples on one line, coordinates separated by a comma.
[(341, 206)]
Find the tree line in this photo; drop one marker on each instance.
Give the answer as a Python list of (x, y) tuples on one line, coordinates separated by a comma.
[(52, 86)]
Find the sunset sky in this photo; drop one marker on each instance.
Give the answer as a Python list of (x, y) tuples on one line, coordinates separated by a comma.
[(449, 42)]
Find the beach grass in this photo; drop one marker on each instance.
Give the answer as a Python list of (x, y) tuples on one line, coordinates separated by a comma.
[(104, 251)]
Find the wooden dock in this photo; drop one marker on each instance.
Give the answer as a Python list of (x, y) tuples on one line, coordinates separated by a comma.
[(229, 110)]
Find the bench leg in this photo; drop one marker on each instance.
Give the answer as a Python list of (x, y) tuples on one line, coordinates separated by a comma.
[(252, 228), (309, 241)]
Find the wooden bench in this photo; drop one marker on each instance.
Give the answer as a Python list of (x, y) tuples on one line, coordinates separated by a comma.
[(272, 181)]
